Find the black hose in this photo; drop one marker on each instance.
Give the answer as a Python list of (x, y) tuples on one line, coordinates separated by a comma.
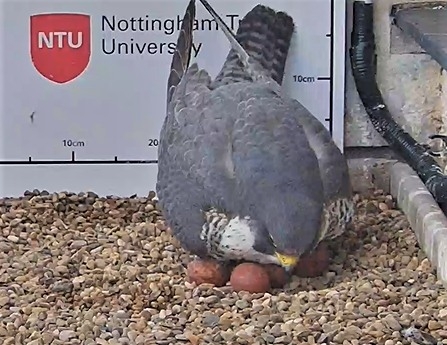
[(362, 53)]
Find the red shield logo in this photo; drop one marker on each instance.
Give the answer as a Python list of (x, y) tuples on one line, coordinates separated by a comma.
[(60, 45)]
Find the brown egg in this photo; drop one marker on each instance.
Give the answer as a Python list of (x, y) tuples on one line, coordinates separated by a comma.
[(250, 277), (313, 264), (207, 272), (278, 276)]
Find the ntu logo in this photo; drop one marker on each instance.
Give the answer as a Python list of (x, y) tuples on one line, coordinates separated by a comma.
[(60, 45)]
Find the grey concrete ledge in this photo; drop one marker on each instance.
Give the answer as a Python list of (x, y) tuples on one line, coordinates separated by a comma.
[(424, 215), (428, 27)]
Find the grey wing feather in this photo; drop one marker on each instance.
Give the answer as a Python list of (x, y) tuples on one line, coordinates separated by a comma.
[(263, 39), (181, 197), (192, 167), (272, 157), (332, 163), (206, 120), (194, 174), (182, 54)]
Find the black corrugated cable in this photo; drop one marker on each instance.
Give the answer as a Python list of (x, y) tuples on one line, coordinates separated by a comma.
[(362, 53)]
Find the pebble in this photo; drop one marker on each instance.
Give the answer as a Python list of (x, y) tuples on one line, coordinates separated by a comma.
[(391, 322), (76, 244), (4, 301), (66, 335), (92, 270), (442, 313), (13, 238)]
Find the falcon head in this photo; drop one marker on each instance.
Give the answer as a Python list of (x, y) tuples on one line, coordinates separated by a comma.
[(279, 235), (242, 238), (293, 227)]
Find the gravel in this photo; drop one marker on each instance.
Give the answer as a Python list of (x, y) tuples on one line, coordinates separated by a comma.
[(83, 269)]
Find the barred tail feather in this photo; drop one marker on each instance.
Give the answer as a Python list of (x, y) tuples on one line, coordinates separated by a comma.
[(182, 54), (264, 37)]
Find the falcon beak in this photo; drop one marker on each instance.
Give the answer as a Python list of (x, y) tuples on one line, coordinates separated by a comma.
[(287, 261)]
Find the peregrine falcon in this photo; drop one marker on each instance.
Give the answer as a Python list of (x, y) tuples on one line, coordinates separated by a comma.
[(245, 172)]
